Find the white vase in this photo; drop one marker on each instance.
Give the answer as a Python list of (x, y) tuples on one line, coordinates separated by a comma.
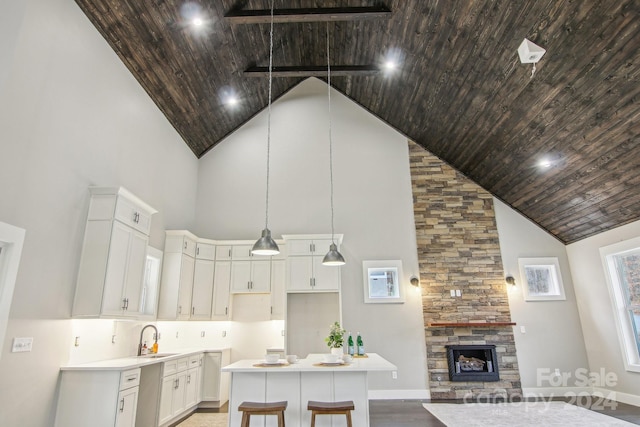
[(337, 351)]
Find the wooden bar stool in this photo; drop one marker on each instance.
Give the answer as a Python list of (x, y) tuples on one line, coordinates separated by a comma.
[(330, 408), (260, 408)]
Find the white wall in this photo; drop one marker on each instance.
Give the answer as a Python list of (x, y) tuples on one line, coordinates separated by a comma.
[(553, 335), (71, 115), (373, 207), (596, 309)]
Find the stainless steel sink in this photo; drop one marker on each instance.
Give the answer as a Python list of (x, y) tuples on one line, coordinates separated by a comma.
[(157, 356)]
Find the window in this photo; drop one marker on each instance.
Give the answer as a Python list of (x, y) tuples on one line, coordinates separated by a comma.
[(542, 279), (11, 241), (622, 267)]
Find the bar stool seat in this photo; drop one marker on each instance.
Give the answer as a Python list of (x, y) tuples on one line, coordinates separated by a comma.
[(262, 408), (330, 408)]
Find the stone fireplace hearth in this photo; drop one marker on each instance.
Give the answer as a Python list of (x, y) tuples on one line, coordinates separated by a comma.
[(464, 296)]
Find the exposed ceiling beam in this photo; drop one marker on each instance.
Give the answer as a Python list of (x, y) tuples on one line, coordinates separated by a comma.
[(313, 71), (263, 16)]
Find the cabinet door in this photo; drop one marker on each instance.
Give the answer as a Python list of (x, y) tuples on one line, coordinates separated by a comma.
[(240, 276), (202, 295), (165, 412), (223, 252), (191, 388), (261, 276), (179, 392), (113, 301), (137, 259), (300, 273), (186, 285), (221, 283), (205, 251), (127, 404), (278, 277), (325, 277), (299, 247), (211, 376), (241, 252)]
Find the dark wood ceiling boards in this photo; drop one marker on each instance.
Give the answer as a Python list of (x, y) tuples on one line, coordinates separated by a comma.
[(460, 92)]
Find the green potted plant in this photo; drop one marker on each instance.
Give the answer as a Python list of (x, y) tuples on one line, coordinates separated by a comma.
[(335, 340)]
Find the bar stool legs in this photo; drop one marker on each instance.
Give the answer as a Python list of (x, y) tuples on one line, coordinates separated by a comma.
[(330, 408), (260, 408)]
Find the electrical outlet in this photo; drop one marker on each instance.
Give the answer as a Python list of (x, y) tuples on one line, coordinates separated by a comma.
[(76, 342), (22, 344), (394, 375), (177, 334), (523, 329), (224, 334), (113, 339), (453, 292), (458, 293), (202, 334)]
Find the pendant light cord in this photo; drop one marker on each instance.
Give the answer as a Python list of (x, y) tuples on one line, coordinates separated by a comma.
[(330, 139), (266, 216)]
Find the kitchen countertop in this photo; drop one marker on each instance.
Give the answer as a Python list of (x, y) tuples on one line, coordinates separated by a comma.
[(132, 362), (373, 362)]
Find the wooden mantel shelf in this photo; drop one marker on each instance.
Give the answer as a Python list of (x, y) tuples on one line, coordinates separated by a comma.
[(470, 324)]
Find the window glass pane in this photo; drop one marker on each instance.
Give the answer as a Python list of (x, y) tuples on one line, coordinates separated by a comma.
[(634, 314), (629, 275)]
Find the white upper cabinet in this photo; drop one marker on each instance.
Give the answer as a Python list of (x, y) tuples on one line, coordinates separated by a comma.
[(205, 250), (221, 284), (251, 276), (113, 259), (178, 270), (305, 272)]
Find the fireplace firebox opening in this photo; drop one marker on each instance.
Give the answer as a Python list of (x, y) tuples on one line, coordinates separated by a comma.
[(472, 363)]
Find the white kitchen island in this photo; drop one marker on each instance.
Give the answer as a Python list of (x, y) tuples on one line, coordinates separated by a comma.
[(300, 382)]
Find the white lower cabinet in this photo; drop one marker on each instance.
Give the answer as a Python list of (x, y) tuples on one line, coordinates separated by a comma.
[(180, 389), (215, 384), (82, 403), (127, 404)]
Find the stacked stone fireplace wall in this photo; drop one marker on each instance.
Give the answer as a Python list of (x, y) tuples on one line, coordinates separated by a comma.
[(458, 249)]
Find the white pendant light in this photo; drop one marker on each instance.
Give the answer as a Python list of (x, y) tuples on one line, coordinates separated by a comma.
[(265, 245), (333, 257)]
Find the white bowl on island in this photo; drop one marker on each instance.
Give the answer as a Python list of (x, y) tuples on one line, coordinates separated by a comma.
[(331, 358), (271, 358)]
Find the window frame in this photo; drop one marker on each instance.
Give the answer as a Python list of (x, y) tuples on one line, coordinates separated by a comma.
[(629, 343)]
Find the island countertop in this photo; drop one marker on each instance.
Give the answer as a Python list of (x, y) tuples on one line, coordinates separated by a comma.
[(371, 362)]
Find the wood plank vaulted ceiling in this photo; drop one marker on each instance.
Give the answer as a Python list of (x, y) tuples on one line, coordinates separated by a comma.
[(460, 92)]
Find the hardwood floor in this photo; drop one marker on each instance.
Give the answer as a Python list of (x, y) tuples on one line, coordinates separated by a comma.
[(411, 413)]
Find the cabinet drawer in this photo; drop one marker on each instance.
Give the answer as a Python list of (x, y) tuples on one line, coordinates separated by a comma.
[(128, 213), (183, 364), (130, 378), (195, 360)]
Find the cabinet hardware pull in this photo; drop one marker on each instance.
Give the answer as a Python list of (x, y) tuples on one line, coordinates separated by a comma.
[(185, 245), (124, 303), (193, 310), (177, 382), (197, 251), (226, 311), (122, 405), (188, 379), (179, 309), (131, 379), (229, 252), (310, 282)]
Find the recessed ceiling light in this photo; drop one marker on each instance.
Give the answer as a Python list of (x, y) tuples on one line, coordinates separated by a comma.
[(544, 164), (232, 100), (197, 22), (390, 65)]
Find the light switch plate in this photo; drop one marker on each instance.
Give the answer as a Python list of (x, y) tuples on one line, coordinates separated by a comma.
[(458, 293), (453, 292), (22, 344)]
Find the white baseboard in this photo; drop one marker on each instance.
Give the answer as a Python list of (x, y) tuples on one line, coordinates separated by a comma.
[(555, 391), (630, 399), (398, 394)]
